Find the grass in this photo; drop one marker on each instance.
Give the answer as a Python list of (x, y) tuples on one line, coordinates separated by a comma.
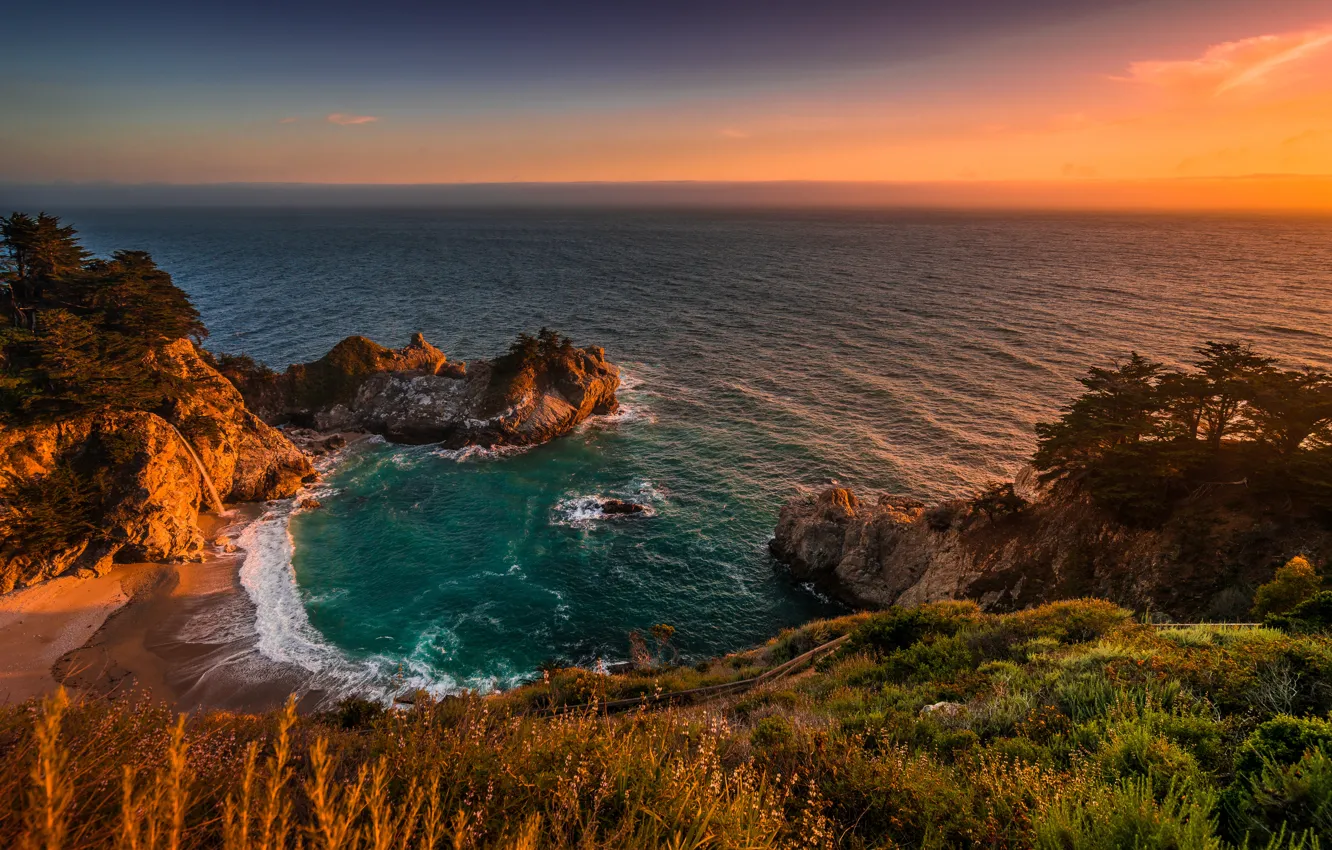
[(1067, 726)]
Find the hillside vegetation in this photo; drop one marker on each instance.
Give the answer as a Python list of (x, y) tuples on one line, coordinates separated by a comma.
[(1065, 726), (1143, 439)]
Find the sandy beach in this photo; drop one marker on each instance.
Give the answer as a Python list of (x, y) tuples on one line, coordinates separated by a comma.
[(178, 633), (40, 624)]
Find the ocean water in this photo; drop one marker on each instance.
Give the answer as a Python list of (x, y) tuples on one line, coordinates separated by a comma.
[(762, 352)]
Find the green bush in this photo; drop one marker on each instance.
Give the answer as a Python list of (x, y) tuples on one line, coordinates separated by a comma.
[(1312, 615), (1282, 741), (1129, 815), (1295, 797), (1295, 582), (1135, 750)]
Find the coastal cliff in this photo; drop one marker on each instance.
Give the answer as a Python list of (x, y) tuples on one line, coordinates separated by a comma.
[(84, 490), (1204, 562), (105, 485), (541, 389)]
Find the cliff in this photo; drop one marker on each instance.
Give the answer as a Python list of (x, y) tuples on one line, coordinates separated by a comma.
[(1204, 561), (415, 394), (128, 485)]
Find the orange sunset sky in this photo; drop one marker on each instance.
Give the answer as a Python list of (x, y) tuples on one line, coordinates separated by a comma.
[(1210, 104)]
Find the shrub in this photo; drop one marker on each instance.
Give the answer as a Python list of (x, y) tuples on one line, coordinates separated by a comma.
[(997, 500), (1282, 741), (1293, 583), (1312, 615), (899, 628), (1294, 797), (773, 733), (1134, 749), (1129, 815), (356, 713), (1072, 621)]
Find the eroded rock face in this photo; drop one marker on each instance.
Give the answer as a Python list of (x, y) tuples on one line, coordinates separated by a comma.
[(416, 395), (139, 486), (247, 459), (1205, 561)]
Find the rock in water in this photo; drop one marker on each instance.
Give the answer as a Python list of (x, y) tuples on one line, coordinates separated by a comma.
[(416, 395), (616, 507)]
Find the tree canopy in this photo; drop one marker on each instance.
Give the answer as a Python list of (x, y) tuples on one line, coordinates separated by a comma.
[(83, 327), (1143, 435)]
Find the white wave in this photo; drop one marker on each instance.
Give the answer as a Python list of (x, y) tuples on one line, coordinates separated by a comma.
[(472, 453), (581, 510), (286, 635), (626, 414)]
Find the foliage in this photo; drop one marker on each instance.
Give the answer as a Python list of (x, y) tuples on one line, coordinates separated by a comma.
[(1293, 583), (997, 500), (37, 250), (94, 324), (1312, 615), (1141, 437), (529, 365), (1071, 725)]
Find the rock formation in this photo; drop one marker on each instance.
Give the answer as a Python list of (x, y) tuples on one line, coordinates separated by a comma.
[(129, 485), (416, 395), (1205, 561)]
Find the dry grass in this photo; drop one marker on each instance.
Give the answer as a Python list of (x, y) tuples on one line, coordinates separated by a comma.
[(1072, 722)]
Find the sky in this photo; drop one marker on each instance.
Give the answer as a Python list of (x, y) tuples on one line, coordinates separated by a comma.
[(1084, 94)]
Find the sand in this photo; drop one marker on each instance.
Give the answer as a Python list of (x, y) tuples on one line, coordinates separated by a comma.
[(178, 633), (40, 624)]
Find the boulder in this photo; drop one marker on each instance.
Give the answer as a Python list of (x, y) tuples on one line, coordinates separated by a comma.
[(617, 507), (943, 709)]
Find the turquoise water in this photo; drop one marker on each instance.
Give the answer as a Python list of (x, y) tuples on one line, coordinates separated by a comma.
[(763, 351)]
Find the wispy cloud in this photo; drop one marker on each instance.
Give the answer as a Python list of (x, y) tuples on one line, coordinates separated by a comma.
[(289, 120), (1232, 64), (347, 120)]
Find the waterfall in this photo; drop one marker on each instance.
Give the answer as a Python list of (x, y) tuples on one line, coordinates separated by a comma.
[(198, 464)]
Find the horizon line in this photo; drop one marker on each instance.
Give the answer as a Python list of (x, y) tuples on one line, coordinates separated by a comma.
[(1268, 193)]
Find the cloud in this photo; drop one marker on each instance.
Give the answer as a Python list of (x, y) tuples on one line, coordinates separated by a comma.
[(1233, 64), (346, 120), (289, 120)]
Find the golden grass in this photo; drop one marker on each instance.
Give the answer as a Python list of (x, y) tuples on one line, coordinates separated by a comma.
[(1066, 720)]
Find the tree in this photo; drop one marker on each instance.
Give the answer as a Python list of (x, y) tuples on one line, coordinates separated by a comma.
[(1230, 369), (38, 251), (138, 299), (1119, 407), (1183, 399), (1285, 408)]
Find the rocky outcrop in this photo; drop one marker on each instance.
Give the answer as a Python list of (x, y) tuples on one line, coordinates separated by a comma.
[(248, 459), (1205, 561), (109, 485), (298, 394), (416, 395)]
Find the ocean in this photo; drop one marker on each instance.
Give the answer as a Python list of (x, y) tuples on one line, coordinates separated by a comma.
[(763, 352)]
